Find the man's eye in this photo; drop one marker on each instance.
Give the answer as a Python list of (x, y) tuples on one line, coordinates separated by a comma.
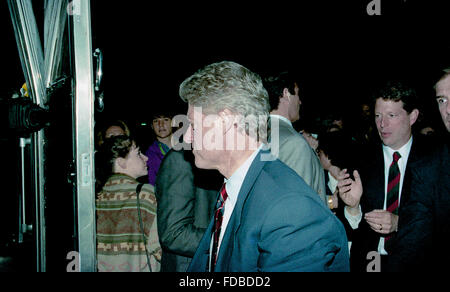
[(441, 100)]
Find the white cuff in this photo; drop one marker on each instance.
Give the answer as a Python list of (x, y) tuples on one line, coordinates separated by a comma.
[(353, 220)]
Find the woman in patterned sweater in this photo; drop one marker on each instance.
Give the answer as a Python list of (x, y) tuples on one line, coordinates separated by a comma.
[(120, 242)]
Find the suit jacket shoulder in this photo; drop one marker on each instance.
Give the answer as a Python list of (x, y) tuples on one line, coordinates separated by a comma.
[(296, 153)]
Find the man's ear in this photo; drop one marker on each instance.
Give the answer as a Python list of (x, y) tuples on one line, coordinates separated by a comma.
[(413, 116), (286, 94), (228, 119)]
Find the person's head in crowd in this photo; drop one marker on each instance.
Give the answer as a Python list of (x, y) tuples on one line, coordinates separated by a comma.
[(365, 111), (119, 154), (162, 125), (114, 131), (337, 121), (230, 101), (284, 95), (442, 97), (396, 111), (427, 131), (112, 128), (426, 125)]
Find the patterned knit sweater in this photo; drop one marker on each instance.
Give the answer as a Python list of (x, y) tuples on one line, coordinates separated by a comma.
[(120, 246)]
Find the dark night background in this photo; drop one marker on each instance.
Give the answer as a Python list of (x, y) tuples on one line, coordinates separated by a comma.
[(339, 53), (337, 50)]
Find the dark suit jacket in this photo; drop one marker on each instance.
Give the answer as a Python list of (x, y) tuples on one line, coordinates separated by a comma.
[(186, 197), (364, 238), (278, 224), (424, 227)]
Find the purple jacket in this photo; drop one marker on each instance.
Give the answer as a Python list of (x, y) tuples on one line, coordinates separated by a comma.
[(155, 154)]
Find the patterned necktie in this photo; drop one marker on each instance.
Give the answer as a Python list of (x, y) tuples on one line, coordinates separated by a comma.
[(218, 216), (393, 185)]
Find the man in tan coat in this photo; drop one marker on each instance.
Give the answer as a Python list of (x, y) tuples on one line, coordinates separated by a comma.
[(288, 145)]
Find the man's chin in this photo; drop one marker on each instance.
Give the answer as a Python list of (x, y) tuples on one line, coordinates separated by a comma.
[(199, 162), (163, 135)]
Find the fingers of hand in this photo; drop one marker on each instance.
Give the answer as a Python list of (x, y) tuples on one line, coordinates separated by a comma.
[(345, 182), (344, 189), (375, 227), (380, 221), (356, 176), (343, 174)]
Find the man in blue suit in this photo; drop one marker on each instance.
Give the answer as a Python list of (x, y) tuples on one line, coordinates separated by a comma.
[(267, 218)]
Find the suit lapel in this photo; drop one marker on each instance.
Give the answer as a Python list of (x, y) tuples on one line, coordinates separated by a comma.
[(416, 154), (415, 159)]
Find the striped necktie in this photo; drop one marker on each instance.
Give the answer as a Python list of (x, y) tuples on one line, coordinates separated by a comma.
[(218, 216), (393, 185)]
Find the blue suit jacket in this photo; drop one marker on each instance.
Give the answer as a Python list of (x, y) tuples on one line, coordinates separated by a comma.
[(279, 224)]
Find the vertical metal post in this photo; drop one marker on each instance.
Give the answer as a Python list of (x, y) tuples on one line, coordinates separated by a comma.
[(38, 146), (84, 136), (23, 227), (31, 56)]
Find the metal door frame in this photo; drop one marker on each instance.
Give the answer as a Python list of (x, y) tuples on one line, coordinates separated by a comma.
[(38, 80), (84, 133)]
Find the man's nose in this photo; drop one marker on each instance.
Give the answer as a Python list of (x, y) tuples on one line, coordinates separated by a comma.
[(383, 122)]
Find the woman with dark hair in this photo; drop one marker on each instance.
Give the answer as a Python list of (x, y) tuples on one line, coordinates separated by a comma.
[(127, 235), (111, 128)]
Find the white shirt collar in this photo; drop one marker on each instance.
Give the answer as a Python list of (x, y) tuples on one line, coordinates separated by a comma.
[(234, 183), (404, 151), (281, 118)]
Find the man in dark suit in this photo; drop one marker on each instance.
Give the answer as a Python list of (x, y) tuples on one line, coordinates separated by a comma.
[(442, 208), (266, 218), (443, 97), (424, 227), (375, 196), (186, 197)]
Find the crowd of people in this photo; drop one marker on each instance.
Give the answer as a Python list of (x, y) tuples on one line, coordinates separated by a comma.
[(271, 194)]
